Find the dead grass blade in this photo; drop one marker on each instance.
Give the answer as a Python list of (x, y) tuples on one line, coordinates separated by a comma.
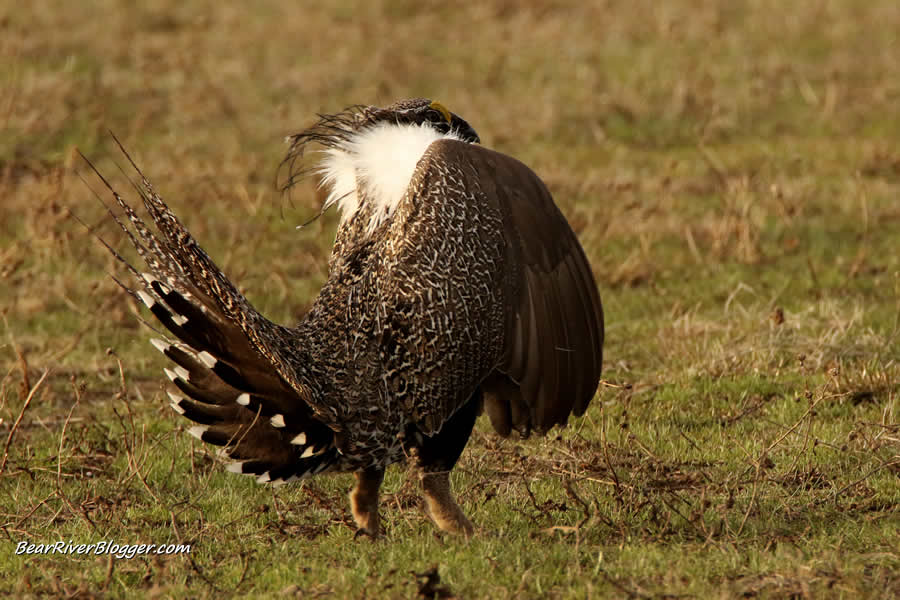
[(15, 426)]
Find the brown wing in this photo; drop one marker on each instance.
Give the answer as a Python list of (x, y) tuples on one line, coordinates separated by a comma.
[(550, 366)]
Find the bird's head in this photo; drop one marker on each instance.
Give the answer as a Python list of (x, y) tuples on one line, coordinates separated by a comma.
[(419, 111), (340, 129)]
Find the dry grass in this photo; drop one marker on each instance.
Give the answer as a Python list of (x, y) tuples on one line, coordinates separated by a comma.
[(731, 168)]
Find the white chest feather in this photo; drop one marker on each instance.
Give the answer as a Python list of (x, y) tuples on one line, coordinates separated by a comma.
[(375, 168)]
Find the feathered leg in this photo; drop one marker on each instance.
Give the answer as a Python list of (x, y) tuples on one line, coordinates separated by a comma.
[(442, 507), (437, 456), (364, 501)]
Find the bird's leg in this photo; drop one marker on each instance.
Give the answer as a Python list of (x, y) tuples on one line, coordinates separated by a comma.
[(435, 457), (441, 506), (364, 501)]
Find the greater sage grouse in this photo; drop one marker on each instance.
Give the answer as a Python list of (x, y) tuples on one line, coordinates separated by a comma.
[(455, 286)]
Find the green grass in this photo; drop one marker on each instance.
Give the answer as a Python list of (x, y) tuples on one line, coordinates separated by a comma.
[(731, 169)]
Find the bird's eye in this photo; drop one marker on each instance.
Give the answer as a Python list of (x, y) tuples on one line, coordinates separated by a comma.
[(441, 109)]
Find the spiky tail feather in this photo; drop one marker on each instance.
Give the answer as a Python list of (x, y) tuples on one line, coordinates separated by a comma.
[(230, 377)]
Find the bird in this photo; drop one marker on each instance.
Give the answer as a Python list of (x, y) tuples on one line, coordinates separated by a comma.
[(455, 288)]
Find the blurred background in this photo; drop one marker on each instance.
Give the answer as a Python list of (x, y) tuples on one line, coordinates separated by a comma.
[(678, 138), (732, 170)]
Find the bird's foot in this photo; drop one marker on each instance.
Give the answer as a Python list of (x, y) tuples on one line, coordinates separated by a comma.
[(363, 532), (364, 502), (441, 506)]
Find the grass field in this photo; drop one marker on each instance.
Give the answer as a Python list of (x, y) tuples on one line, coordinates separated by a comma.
[(733, 172)]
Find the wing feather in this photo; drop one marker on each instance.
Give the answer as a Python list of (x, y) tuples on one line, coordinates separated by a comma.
[(551, 359)]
